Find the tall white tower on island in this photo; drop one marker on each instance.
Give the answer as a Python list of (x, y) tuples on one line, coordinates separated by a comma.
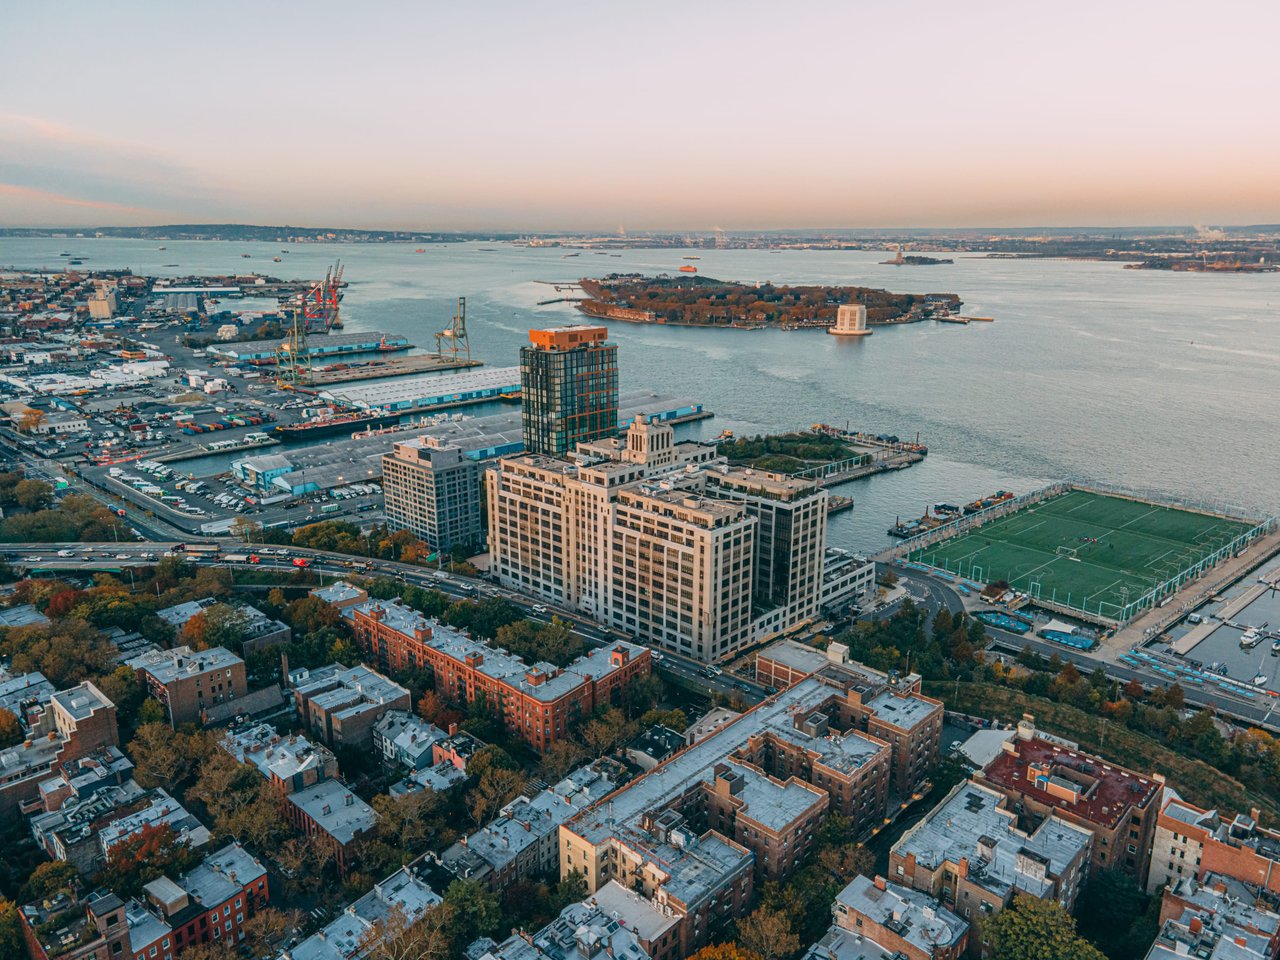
[(851, 321)]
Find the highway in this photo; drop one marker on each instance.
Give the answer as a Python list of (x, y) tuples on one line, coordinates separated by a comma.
[(87, 558), (928, 592)]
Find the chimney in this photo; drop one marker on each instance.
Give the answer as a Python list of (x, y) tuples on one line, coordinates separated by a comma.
[(880, 883), (1196, 926), (962, 868)]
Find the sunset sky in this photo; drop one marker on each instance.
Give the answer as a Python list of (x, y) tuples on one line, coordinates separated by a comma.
[(652, 115)]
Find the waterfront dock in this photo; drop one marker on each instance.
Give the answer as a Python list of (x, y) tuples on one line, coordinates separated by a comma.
[(399, 367)]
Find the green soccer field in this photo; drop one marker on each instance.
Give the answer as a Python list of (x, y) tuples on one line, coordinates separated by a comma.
[(1088, 551)]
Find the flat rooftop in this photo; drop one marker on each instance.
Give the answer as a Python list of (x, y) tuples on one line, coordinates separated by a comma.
[(272, 754), (913, 915), (905, 712), (338, 811), (424, 389), (494, 662), (1111, 792), (774, 804), (169, 665), (972, 823), (81, 701), (623, 810)]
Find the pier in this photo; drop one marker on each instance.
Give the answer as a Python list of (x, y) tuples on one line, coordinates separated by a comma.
[(399, 367)]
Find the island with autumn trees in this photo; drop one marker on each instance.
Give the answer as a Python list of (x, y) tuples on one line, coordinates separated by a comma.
[(699, 301)]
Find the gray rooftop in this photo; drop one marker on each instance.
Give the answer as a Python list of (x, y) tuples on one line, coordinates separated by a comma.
[(973, 823), (24, 615), (342, 939), (913, 915), (774, 804), (338, 811), (525, 821), (675, 777), (338, 592), (542, 681), (169, 665), (638, 912), (222, 874), (161, 810), (581, 930), (905, 712), (81, 701), (22, 689), (272, 754), (838, 944)]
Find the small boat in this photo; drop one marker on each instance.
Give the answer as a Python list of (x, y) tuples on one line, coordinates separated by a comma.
[(420, 250), (1250, 639), (568, 255), (246, 255), (276, 260), (162, 248), (690, 258), (1275, 648)]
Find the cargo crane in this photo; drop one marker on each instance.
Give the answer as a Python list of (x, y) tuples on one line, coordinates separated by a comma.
[(293, 358), (320, 304), (454, 340)]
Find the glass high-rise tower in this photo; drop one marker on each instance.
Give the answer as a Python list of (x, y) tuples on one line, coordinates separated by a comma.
[(569, 388)]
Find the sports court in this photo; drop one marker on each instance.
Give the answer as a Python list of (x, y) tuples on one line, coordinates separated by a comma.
[(1088, 551)]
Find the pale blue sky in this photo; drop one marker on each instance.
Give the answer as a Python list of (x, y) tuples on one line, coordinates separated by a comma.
[(649, 115)]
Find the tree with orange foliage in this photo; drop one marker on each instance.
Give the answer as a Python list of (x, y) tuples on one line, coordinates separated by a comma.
[(152, 852), (725, 951)]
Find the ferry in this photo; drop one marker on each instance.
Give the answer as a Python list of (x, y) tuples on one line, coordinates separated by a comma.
[(688, 269), (514, 396), (1250, 639)]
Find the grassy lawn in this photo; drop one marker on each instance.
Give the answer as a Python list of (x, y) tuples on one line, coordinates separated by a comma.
[(1197, 781), (1085, 550)]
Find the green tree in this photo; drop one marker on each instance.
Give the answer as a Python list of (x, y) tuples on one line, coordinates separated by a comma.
[(33, 494), (11, 942), (767, 933), (1034, 929), (475, 912), (48, 879)]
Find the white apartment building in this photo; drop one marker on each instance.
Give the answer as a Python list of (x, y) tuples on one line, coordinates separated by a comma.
[(651, 538)]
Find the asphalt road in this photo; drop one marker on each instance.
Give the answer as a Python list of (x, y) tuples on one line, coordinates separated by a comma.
[(87, 558)]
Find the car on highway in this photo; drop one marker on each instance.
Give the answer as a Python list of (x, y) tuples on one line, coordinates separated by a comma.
[(711, 670), (34, 559), (301, 562), (538, 608), (656, 656)]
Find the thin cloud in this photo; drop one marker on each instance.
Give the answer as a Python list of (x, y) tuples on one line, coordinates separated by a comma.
[(18, 194)]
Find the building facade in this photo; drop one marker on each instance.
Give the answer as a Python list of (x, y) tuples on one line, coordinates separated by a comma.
[(691, 837), (540, 703), (340, 705), (1190, 842), (1045, 778), (186, 681), (433, 491), (569, 388), (73, 723)]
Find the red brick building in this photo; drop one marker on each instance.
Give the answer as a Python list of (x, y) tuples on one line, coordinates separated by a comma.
[(73, 724), (210, 904), (1118, 805), (540, 703), (1190, 843)]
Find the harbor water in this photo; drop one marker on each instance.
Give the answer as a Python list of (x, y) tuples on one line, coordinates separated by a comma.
[(1139, 378)]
